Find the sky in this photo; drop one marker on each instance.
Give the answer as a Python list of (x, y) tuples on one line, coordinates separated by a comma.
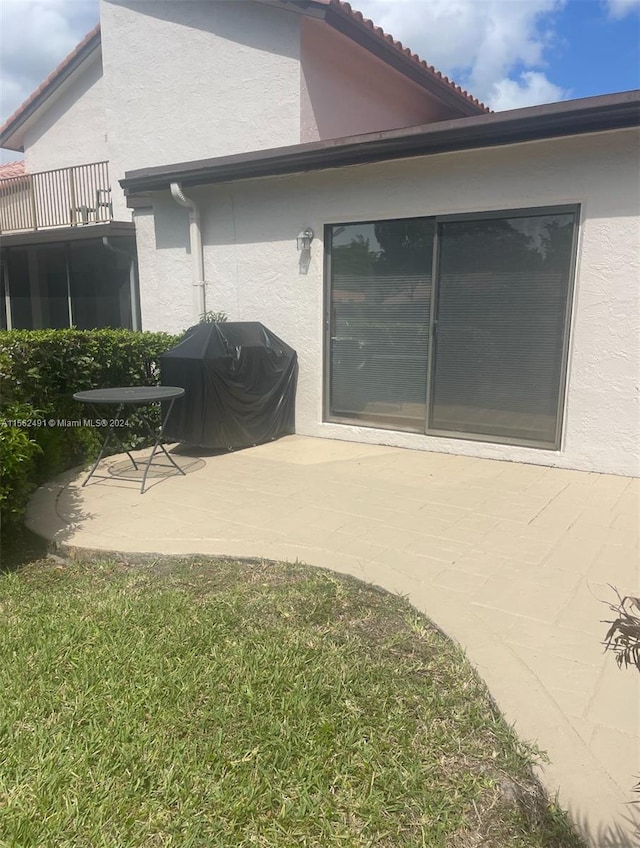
[(508, 53)]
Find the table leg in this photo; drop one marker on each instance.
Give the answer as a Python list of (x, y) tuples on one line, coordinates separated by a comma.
[(110, 432), (158, 444)]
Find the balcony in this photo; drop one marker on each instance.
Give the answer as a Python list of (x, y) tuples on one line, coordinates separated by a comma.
[(66, 197)]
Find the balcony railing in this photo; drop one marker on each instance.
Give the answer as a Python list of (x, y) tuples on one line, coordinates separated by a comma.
[(66, 197)]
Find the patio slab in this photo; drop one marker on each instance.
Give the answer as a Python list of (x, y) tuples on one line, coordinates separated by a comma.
[(511, 560)]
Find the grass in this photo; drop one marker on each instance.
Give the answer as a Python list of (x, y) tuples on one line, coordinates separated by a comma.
[(209, 703)]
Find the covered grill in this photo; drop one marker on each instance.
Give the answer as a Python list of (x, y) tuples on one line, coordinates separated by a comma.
[(240, 386)]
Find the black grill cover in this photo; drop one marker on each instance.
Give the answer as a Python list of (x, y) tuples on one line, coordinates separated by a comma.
[(240, 386)]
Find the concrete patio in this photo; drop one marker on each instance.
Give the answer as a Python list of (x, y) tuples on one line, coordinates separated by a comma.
[(513, 561)]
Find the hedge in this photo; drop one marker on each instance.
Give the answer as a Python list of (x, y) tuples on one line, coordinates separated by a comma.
[(39, 372)]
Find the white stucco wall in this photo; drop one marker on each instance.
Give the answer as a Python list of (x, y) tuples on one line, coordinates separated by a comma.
[(73, 130), (346, 90), (163, 251), (252, 270), (193, 80)]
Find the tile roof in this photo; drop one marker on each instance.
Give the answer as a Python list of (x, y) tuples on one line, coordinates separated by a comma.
[(12, 169), (52, 79), (340, 6), (368, 24)]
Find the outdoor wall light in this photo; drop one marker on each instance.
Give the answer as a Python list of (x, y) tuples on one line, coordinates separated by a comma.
[(304, 239)]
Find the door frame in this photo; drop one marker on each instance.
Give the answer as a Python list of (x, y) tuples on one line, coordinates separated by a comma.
[(521, 212)]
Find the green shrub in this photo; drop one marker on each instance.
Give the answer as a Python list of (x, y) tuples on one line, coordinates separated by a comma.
[(18, 455), (212, 317), (51, 365), (39, 372)]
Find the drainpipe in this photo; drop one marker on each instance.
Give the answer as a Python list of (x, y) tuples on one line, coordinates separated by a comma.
[(197, 255), (133, 293)]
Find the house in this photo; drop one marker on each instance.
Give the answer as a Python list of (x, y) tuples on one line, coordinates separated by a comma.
[(66, 260), (453, 280), (69, 251)]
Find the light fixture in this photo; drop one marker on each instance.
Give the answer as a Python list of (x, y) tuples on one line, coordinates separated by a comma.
[(304, 239)]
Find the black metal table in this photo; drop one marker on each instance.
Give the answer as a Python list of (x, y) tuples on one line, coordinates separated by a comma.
[(123, 396)]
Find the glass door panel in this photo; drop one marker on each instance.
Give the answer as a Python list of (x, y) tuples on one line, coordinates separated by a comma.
[(380, 301), (503, 286)]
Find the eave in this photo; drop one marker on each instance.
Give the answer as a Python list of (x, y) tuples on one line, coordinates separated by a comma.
[(64, 234), (13, 129), (569, 118)]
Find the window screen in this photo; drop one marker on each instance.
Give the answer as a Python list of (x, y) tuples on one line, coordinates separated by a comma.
[(19, 289), (51, 263), (100, 287)]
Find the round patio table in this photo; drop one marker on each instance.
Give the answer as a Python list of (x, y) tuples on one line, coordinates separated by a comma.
[(135, 396)]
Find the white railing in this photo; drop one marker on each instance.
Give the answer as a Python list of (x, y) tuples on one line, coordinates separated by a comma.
[(65, 197)]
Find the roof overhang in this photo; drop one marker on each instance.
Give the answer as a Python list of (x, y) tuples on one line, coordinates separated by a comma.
[(13, 130), (310, 8), (554, 120), (60, 235)]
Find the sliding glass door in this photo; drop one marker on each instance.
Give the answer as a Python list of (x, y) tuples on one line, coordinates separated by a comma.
[(503, 285), (380, 308), (475, 348)]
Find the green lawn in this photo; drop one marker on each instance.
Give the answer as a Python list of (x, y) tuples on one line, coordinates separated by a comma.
[(211, 703)]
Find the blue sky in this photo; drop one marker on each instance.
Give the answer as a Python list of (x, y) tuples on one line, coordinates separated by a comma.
[(508, 53), (596, 54), (513, 53)]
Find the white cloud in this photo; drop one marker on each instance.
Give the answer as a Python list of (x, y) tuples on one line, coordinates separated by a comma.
[(35, 35), (529, 89), (495, 48), (621, 8)]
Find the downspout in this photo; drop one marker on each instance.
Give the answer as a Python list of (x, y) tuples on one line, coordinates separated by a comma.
[(133, 289), (197, 255)]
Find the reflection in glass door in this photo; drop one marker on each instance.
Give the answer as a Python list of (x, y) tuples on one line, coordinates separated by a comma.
[(477, 352), (380, 303), (503, 287)]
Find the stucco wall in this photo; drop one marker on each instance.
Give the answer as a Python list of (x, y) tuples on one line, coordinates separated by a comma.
[(193, 80), (162, 242), (251, 263), (73, 130), (345, 90)]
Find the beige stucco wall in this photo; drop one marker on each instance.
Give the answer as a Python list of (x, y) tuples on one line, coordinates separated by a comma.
[(182, 80), (193, 80), (163, 253), (252, 272), (189, 80), (345, 90), (73, 130)]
